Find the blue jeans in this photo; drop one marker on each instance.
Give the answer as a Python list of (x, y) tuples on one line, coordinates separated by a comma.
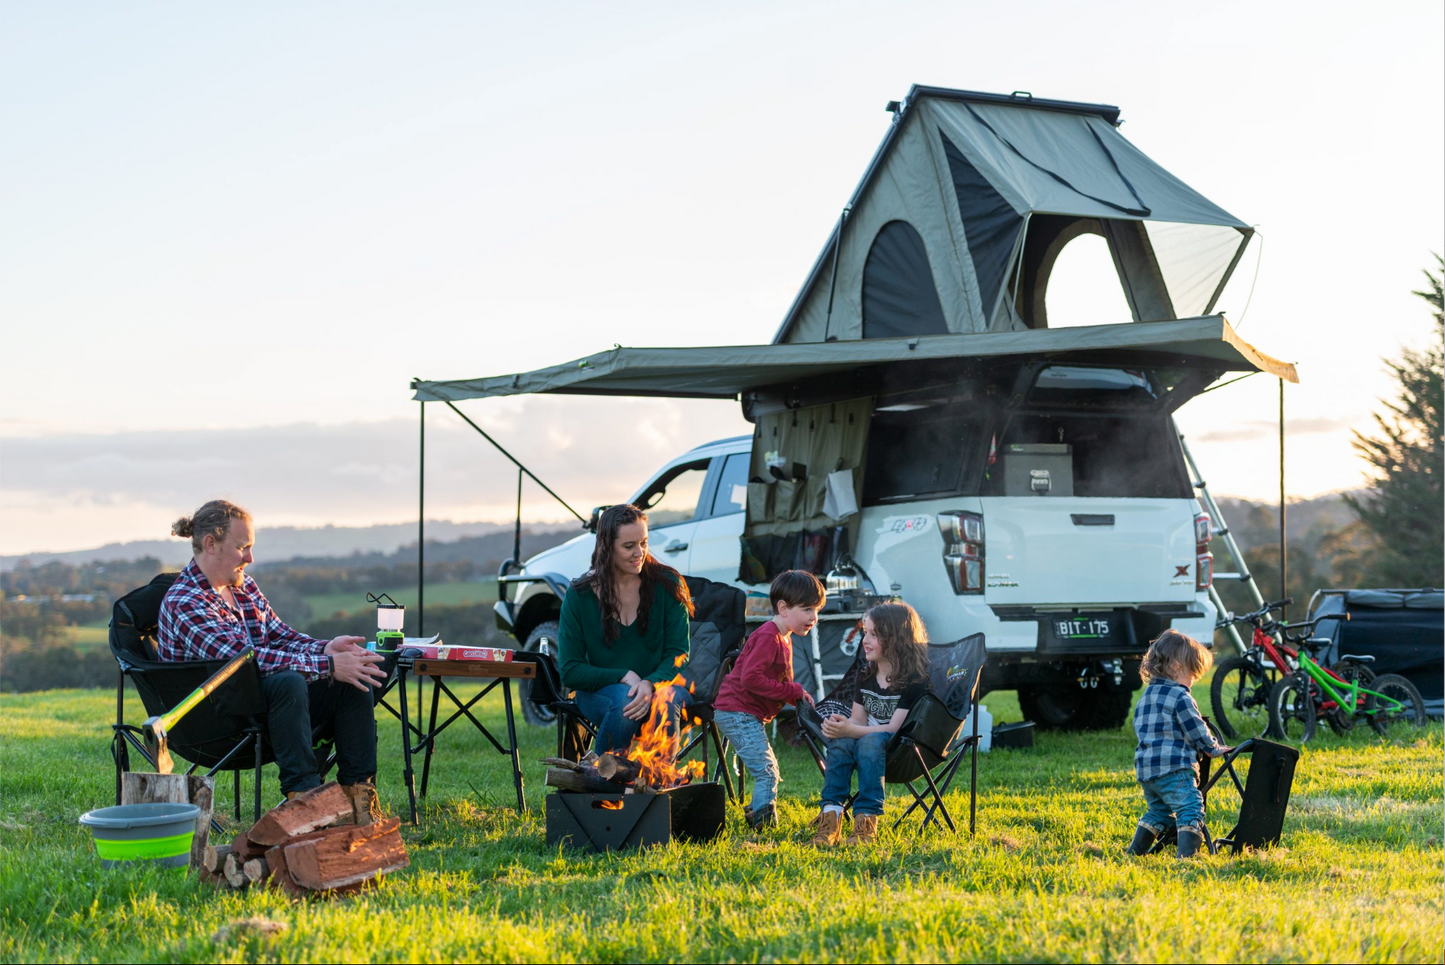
[(867, 756), (1176, 795), (604, 709), (749, 738)]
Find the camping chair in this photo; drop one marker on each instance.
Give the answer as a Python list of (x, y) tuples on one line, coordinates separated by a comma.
[(218, 733), (928, 746), (574, 730), (224, 732), (1264, 795), (718, 630)]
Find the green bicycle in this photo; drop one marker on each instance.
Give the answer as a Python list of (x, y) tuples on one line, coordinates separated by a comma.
[(1298, 700)]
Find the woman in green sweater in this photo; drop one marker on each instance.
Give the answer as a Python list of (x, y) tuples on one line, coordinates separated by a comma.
[(624, 630)]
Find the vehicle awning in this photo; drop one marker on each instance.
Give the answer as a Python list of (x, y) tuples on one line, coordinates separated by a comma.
[(726, 371)]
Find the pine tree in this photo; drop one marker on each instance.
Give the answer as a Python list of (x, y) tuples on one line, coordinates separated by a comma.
[(1404, 508)]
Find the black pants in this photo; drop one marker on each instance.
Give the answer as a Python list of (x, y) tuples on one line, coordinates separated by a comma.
[(294, 708)]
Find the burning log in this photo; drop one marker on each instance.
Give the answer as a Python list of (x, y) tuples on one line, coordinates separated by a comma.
[(619, 770), (583, 781)]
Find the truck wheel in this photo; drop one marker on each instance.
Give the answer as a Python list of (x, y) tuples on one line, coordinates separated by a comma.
[(1070, 707), (542, 639)]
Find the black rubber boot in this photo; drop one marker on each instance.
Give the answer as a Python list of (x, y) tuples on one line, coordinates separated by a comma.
[(1190, 842), (1144, 839)]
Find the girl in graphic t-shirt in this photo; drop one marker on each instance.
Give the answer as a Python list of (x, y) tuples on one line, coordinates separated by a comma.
[(896, 646)]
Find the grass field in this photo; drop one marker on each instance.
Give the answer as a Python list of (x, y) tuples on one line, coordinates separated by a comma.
[(1359, 877), (438, 594)]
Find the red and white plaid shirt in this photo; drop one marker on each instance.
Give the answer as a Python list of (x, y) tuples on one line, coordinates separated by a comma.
[(198, 624)]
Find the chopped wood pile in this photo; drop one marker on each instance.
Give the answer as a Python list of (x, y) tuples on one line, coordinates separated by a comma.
[(300, 847)]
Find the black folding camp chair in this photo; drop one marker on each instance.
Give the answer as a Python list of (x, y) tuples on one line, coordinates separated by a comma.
[(928, 747), (718, 630), (1264, 795), (224, 732), (574, 731)]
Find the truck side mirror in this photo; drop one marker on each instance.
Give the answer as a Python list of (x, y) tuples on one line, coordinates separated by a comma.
[(591, 524)]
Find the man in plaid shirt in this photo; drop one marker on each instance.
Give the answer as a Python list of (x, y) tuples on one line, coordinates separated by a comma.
[(1171, 735), (214, 611)]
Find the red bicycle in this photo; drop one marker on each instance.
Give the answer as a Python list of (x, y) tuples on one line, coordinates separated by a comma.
[(1242, 684)]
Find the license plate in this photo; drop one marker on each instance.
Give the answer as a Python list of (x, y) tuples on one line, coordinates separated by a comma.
[(1084, 630)]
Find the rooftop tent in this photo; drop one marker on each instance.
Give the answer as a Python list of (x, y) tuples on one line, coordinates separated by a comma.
[(968, 201)]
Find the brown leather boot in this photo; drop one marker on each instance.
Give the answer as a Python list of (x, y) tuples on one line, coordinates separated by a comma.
[(830, 829), (365, 804), (293, 795), (865, 829)]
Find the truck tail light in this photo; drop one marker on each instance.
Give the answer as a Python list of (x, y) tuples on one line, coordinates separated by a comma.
[(963, 555), (1203, 559)]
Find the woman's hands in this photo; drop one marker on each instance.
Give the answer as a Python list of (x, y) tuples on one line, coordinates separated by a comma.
[(839, 726), (640, 691)]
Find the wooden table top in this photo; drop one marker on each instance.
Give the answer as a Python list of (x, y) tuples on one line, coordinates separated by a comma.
[(474, 668)]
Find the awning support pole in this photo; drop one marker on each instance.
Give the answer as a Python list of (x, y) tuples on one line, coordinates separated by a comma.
[(496, 445), (1283, 561), (421, 531)]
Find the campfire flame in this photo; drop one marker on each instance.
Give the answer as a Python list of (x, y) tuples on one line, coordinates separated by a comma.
[(610, 805), (656, 745)]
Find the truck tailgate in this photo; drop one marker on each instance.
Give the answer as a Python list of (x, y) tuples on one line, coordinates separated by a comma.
[(1041, 551)]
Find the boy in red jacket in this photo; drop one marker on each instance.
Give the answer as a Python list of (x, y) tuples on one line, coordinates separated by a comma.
[(762, 681)]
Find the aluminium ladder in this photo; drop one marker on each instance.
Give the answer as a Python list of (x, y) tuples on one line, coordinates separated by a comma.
[(1220, 528)]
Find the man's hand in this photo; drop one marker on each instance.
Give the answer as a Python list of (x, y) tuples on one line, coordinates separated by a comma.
[(838, 726), (344, 645), (641, 693), (356, 666)]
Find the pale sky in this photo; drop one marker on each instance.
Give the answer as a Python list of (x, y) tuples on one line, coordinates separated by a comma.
[(233, 232)]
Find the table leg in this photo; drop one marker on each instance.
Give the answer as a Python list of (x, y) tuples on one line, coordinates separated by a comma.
[(436, 697), (512, 743), (407, 775)]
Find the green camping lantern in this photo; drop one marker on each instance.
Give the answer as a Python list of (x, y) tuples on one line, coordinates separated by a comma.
[(390, 615)]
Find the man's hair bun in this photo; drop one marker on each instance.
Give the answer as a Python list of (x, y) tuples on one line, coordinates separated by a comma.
[(182, 527)]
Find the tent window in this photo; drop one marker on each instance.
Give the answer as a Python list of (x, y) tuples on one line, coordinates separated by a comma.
[(1083, 288), (899, 297)]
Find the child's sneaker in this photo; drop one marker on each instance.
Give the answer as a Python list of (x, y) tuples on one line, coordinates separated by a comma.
[(830, 829), (765, 817), (865, 829)]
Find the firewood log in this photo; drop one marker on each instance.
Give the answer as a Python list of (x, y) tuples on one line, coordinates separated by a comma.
[(254, 870), (618, 770), (232, 872), (563, 763), (581, 781), (317, 808), (215, 856), (349, 856), (245, 849)]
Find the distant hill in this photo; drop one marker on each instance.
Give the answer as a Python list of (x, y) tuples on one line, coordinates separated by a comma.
[(282, 543)]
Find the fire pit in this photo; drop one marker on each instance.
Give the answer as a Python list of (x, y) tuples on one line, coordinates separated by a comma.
[(637, 799), (615, 822)]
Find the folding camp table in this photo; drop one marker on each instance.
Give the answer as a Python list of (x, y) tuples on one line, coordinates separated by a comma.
[(497, 671)]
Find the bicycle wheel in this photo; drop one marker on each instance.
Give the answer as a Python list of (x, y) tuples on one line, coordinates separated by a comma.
[(1292, 709), (1239, 694), (1405, 707), (1342, 719)]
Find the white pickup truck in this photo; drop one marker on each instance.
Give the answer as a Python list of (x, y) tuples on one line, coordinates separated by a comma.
[(1067, 533)]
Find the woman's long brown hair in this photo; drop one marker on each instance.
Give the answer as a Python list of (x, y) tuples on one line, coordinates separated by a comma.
[(599, 578), (904, 642)]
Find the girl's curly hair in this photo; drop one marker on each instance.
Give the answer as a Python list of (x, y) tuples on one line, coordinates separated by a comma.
[(599, 577), (904, 643)]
